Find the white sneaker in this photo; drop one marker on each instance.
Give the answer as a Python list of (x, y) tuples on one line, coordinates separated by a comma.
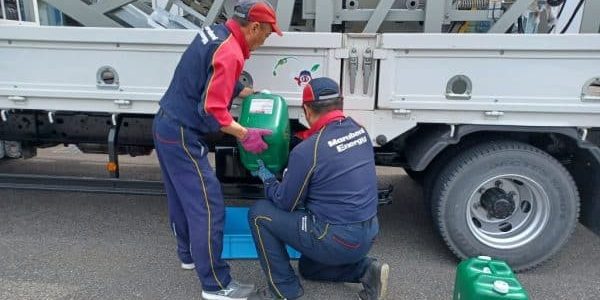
[(234, 291), (188, 266)]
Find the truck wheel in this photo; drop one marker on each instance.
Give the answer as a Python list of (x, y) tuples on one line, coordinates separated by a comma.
[(507, 200), (433, 172), (438, 164)]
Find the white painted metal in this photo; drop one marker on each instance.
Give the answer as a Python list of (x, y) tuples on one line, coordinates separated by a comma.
[(517, 80), (214, 11), (382, 9), (319, 17), (357, 98), (434, 16), (55, 68), (3, 9), (36, 12), (590, 21), (532, 80), (20, 18), (285, 10), (26, 13), (515, 10), (568, 11), (325, 15), (83, 13), (513, 76)]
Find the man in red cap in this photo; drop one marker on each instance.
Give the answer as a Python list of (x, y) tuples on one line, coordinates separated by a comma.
[(325, 206), (195, 105)]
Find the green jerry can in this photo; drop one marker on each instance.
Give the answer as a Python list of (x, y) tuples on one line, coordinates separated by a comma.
[(483, 278), (268, 111)]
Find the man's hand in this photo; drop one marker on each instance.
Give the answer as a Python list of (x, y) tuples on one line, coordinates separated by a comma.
[(247, 91), (253, 141), (263, 173)]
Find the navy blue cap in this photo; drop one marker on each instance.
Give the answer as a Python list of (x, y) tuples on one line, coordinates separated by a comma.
[(322, 88)]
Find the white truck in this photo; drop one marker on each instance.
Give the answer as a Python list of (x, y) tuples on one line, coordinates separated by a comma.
[(502, 130)]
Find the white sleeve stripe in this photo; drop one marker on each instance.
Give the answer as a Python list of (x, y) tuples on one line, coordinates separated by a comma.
[(211, 33), (203, 37)]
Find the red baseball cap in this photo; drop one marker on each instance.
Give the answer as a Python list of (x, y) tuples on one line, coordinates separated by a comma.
[(257, 11)]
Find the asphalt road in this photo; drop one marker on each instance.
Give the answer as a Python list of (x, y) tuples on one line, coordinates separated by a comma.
[(65, 245)]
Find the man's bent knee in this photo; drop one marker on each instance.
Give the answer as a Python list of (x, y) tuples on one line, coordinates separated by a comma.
[(260, 208)]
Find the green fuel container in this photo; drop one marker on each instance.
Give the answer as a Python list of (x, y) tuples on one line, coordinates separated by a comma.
[(482, 278), (268, 111)]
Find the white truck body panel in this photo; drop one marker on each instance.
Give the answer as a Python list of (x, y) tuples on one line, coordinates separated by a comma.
[(55, 68), (533, 80)]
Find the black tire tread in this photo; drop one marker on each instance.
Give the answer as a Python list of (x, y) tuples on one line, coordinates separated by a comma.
[(458, 163)]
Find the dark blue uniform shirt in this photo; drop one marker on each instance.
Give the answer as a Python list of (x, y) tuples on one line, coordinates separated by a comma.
[(332, 174)]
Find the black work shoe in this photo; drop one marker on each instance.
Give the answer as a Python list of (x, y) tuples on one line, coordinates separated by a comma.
[(375, 281), (264, 293)]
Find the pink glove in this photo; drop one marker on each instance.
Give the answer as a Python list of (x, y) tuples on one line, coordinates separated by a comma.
[(253, 141)]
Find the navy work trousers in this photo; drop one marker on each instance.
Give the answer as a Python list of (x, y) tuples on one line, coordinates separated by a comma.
[(196, 207), (330, 252)]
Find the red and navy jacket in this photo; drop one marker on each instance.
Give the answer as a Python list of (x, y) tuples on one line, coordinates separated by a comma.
[(332, 174), (206, 79)]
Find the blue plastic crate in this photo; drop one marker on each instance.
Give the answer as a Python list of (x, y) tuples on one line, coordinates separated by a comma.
[(237, 239)]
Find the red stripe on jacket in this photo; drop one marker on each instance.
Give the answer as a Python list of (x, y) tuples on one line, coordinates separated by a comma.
[(226, 67)]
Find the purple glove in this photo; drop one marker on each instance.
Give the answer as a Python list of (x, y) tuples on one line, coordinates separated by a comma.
[(253, 141)]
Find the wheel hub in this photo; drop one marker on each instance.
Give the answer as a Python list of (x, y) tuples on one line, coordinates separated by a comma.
[(498, 203)]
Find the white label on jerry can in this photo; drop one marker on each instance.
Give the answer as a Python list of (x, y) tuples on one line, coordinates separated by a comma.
[(261, 106)]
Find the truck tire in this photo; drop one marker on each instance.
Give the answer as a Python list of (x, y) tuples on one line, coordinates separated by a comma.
[(507, 200), (439, 163), (416, 176)]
